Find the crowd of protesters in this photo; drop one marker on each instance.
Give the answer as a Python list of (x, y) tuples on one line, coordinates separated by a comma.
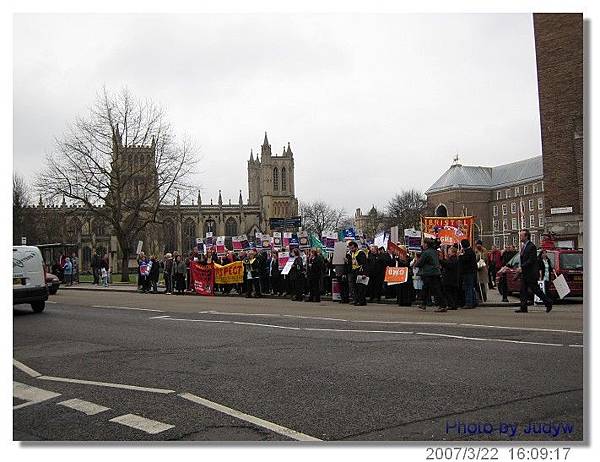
[(445, 277)]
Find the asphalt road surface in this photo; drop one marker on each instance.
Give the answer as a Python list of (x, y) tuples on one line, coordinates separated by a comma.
[(114, 366)]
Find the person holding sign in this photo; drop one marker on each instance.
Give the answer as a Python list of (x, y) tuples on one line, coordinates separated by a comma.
[(358, 279), (429, 270), (252, 274), (296, 276)]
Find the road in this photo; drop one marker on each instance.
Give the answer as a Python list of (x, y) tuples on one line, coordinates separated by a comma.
[(118, 366)]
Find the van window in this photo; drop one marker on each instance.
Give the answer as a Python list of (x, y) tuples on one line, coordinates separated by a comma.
[(571, 261)]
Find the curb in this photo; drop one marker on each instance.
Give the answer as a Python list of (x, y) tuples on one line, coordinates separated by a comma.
[(324, 298)]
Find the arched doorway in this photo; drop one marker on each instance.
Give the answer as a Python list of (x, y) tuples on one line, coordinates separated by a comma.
[(441, 211)]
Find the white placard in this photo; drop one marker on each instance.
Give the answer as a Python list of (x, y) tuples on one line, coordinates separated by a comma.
[(394, 234), (562, 288), (339, 253), (139, 247), (288, 266), (23, 240)]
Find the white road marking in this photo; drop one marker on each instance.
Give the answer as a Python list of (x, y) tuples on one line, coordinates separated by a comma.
[(49, 301), (576, 346), (126, 308), (141, 423), (28, 370), (432, 334), (373, 321), (106, 384), (249, 418), (31, 394), (83, 406), (480, 339)]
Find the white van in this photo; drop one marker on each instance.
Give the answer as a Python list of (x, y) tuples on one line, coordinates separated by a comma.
[(29, 277)]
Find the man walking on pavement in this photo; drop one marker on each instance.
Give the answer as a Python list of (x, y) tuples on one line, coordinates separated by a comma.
[(529, 273)]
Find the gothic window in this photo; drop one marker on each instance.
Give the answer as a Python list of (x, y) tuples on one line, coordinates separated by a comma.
[(441, 211), (210, 227), (276, 179), (189, 235), (283, 179), (98, 227), (73, 230), (169, 235), (231, 228)]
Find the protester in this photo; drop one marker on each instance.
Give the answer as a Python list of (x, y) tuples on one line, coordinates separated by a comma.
[(179, 272), (296, 276), (314, 271), (96, 268), (274, 273), (467, 264), (529, 272), (429, 267), (75, 263), (141, 258), (104, 265), (153, 275), (168, 273), (405, 293), (494, 264), (252, 274), (482, 270), (450, 278), (144, 269), (358, 273)]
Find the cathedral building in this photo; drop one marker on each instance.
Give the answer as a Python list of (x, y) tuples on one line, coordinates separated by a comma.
[(271, 194)]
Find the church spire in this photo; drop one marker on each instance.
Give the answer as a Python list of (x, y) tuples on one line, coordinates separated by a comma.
[(251, 155), (265, 149), (178, 200), (199, 198), (220, 198), (241, 201), (289, 150)]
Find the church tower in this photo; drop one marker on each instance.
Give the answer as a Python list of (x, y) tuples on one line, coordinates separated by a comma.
[(271, 183)]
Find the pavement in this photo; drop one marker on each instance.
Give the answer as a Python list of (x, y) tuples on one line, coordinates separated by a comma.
[(125, 366), (494, 297)]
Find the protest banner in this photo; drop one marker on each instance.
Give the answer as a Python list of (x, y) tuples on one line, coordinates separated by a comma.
[(394, 234), (395, 275), (315, 243), (450, 230), (396, 250), (277, 239), (266, 241), (328, 239), (236, 242), (245, 242), (286, 239), (210, 240), (138, 250), (348, 234), (294, 243), (203, 277), (282, 258), (412, 239), (339, 253), (221, 245), (232, 273), (303, 240), (288, 266)]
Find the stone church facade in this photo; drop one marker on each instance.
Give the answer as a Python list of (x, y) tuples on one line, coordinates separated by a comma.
[(271, 194)]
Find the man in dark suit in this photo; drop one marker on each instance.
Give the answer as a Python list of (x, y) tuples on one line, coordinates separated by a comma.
[(529, 273)]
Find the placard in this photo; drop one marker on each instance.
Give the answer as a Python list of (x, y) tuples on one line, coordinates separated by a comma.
[(288, 266), (339, 253), (139, 247), (396, 275), (562, 288)]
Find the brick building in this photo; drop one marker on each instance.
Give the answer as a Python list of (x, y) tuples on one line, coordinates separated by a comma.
[(559, 57), (503, 199)]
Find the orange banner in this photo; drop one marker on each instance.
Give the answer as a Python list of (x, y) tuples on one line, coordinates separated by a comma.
[(396, 275), (449, 230)]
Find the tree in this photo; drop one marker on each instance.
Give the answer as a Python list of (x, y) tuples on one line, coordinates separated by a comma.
[(21, 198), (120, 162), (318, 216), (405, 209)]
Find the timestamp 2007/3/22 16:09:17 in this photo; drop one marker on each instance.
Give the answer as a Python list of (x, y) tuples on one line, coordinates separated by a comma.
[(493, 453)]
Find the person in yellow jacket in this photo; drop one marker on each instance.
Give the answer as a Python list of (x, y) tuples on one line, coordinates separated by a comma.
[(358, 269)]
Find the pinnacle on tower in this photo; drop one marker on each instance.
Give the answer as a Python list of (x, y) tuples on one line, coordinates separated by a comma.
[(220, 199), (251, 156), (199, 198), (178, 200), (289, 150), (64, 202), (40, 203), (265, 149), (241, 201)]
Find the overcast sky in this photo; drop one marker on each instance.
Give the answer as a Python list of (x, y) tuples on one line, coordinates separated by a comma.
[(371, 104)]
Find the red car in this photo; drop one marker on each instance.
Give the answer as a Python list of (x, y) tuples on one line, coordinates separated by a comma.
[(569, 263)]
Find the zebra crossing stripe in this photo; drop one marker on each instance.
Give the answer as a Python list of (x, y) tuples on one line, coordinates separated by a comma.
[(141, 423), (32, 395), (83, 406)]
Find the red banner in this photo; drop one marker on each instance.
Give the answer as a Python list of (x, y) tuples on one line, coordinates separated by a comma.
[(203, 277), (450, 230), (396, 250), (396, 275)]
